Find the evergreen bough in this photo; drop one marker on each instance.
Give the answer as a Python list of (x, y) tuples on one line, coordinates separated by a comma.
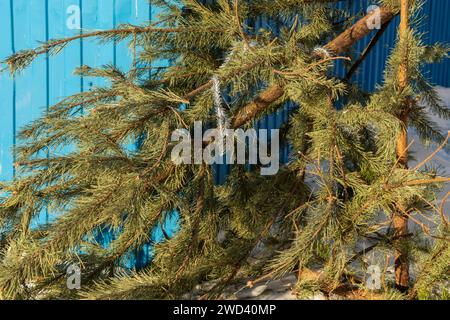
[(341, 190)]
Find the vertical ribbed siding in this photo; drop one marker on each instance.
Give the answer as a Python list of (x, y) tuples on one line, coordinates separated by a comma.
[(46, 81), (24, 22)]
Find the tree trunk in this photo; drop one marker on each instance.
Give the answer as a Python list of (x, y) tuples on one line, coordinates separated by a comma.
[(400, 219)]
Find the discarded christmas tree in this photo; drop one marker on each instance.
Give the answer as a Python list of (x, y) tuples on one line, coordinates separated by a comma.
[(346, 185)]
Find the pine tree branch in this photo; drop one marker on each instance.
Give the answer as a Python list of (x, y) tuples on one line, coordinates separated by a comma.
[(340, 44), (238, 21), (367, 50), (434, 153), (358, 31), (199, 207), (219, 287), (399, 218)]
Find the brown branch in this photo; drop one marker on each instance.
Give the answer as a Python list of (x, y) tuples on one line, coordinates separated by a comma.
[(367, 50), (400, 217)]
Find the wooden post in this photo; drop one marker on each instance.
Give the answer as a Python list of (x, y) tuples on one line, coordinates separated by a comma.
[(400, 220)]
